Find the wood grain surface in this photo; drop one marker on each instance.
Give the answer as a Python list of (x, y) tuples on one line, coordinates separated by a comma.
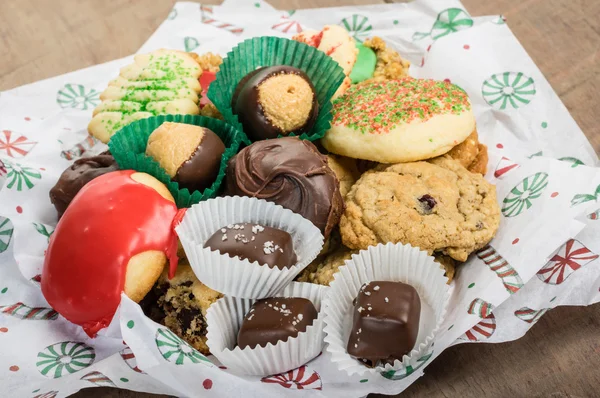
[(560, 356)]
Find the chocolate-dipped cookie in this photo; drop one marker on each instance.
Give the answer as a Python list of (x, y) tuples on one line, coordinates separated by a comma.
[(275, 319), (266, 245), (77, 175), (289, 172), (190, 155), (275, 100), (386, 322)]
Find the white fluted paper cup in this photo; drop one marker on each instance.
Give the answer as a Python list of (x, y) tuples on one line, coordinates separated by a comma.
[(224, 319), (390, 262), (231, 275)]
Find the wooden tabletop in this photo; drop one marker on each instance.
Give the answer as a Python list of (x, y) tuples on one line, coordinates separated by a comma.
[(560, 356)]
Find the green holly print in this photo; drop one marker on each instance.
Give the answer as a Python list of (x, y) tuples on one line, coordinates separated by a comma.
[(574, 161), (509, 88), (190, 43), (448, 21), (44, 230), (6, 232), (78, 97), (521, 196), (408, 370), (20, 177), (583, 197), (358, 26), (64, 358), (175, 350)]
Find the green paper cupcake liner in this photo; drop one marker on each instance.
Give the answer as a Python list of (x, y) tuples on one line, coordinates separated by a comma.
[(325, 74), (128, 146)]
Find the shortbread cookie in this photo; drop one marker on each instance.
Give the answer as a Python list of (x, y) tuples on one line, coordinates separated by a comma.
[(390, 65), (161, 82), (471, 154), (395, 121), (345, 170), (336, 42), (437, 205)]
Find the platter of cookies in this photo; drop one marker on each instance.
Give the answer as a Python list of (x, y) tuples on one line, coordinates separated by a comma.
[(313, 209)]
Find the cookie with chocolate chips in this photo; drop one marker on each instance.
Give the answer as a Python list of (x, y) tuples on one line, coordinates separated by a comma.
[(436, 205)]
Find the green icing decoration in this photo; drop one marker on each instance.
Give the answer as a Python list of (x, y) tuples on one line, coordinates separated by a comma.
[(364, 67)]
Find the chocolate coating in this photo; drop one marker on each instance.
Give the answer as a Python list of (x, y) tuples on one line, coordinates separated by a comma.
[(386, 322), (202, 168), (289, 172), (246, 104), (266, 245), (275, 319), (77, 175)]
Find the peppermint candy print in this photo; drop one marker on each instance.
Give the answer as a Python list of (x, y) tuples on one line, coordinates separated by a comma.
[(98, 379), (584, 197), (448, 21), (80, 148), (407, 370), (358, 26), (44, 230), (64, 358), (15, 146), (509, 88), (574, 161), (22, 311), (129, 358), (568, 259), (175, 350), (49, 394), (20, 177), (509, 276), (206, 13), (287, 25), (521, 196), (6, 232), (190, 43), (302, 378), (529, 315), (504, 166), (78, 97)]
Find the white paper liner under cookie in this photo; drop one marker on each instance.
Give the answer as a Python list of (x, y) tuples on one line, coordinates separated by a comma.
[(224, 319), (390, 262), (231, 275)]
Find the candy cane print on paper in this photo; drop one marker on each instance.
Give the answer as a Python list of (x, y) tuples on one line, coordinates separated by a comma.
[(508, 88), (49, 394), (129, 358), (6, 233), (358, 26), (78, 97), (520, 198), (98, 379), (64, 358), (484, 329), (206, 18), (190, 43), (15, 146), (567, 259), (302, 378), (80, 148), (504, 166), (407, 370), (175, 350), (585, 197), (21, 177), (448, 21), (529, 315), (509, 276), (22, 311)]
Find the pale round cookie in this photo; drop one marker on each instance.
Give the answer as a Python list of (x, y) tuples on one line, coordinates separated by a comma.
[(436, 205), (396, 121)]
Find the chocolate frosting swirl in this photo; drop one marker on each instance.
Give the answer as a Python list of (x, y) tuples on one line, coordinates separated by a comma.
[(289, 172), (77, 175)]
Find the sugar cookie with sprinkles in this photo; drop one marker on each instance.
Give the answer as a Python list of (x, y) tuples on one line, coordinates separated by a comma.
[(397, 121)]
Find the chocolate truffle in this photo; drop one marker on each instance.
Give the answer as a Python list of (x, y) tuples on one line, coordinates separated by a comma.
[(386, 322), (77, 175), (275, 319), (275, 100), (289, 172), (190, 155), (266, 245)]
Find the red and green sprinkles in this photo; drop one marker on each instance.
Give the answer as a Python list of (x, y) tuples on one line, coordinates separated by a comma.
[(378, 107)]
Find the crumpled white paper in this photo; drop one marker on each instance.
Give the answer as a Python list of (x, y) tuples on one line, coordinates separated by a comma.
[(545, 254)]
